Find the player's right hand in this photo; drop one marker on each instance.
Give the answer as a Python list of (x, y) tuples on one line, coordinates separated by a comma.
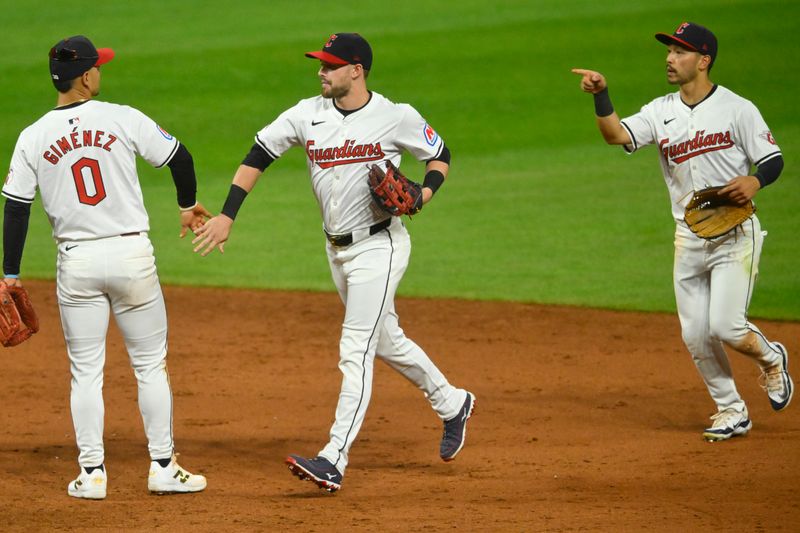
[(194, 219), (212, 235), (591, 81)]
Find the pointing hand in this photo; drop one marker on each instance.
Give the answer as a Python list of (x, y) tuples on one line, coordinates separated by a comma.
[(591, 82)]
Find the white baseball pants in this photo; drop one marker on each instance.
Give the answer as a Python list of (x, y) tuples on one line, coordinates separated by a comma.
[(367, 274), (714, 282), (116, 274)]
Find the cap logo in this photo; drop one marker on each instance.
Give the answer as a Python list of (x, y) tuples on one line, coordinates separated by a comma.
[(330, 41), (682, 27)]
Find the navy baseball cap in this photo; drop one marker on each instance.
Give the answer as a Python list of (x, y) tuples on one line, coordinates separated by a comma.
[(73, 56), (345, 49), (693, 37)]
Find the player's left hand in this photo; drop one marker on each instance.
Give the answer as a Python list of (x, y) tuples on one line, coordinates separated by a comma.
[(741, 189), (194, 219)]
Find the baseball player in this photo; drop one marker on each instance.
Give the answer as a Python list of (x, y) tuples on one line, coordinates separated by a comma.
[(82, 158), (708, 136), (343, 131)]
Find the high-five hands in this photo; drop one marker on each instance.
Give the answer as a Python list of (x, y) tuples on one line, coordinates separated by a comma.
[(193, 219)]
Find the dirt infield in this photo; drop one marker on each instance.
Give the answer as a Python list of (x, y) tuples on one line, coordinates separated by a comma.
[(586, 421)]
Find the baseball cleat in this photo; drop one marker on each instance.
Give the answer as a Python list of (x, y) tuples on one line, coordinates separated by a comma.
[(90, 486), (318, 470), (173, 479), (777, 382), (455, 430), (728, 423)]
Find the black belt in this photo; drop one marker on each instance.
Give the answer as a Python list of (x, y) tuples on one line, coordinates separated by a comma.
[(346, 239)]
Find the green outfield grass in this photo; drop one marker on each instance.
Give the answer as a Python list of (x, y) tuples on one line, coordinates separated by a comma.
[(536, 209)]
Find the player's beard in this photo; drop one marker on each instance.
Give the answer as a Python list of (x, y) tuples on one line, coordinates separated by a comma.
[(334, 91)]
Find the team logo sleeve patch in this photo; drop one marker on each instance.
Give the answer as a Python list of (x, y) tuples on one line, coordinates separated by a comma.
[(164, 133), (767, 136), (430, 134)]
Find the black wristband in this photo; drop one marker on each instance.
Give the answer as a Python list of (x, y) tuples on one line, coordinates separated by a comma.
[(433, 180), (234, 201), (602, 104)]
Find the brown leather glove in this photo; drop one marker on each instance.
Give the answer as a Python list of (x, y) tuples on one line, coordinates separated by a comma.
[(393, 192), (18, 320), (710, 215)]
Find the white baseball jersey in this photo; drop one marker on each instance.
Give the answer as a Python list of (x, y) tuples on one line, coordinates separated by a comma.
[(82, 158), (339, 148), (707, 145)]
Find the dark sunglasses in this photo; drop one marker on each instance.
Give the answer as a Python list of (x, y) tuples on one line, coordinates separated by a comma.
[(65, 54)]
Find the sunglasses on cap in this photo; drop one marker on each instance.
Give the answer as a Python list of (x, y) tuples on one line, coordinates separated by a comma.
[(65, 54)]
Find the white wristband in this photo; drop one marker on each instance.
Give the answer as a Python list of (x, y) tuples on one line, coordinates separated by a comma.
[(184, 209)]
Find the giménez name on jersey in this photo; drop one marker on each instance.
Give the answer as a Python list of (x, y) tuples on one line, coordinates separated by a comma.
[(79, 139)]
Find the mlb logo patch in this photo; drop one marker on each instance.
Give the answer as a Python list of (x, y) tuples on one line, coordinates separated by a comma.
[(74, 121), (164, 133), (430, 134)]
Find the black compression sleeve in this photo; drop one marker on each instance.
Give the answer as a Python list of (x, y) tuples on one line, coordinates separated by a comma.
[(258, 158), (182, 167), (602, 104), (444, 156), (768, 171), (234, 201), (15, 229)]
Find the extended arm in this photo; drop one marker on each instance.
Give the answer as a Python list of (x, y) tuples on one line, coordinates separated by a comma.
[(608, 121), (215, 232), (193, 214)]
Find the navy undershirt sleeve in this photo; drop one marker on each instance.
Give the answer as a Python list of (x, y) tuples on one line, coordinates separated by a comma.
[(258, 158), (15, 229), (182, 167), (768, 171)]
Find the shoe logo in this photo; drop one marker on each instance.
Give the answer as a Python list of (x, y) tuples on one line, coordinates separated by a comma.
[(180, 476), (317, 123), (68, 248), (668, 121), (330, 476)]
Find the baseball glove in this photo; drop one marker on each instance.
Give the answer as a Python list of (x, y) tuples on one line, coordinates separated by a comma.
[(18, 320), (710, 215), (393, 192)]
